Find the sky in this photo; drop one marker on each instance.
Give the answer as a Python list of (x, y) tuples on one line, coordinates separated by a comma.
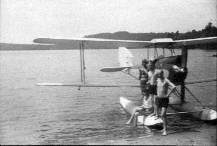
[(24, 20)]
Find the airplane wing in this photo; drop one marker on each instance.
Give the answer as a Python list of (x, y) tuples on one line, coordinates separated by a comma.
[(113, 43), (94, 42), (86, 85), (196, 41), (55, 40), (200, 81), (111, 85), (168, 42)]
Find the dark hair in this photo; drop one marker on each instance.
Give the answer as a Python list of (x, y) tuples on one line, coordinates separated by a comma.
[(144, 61), (161, 73), (153, 61)]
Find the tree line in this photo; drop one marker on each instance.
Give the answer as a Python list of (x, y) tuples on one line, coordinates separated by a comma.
[(208, 31)]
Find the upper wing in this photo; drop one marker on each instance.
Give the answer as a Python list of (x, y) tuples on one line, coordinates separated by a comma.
[(196, 41), (94, 42), (168, 42), (112, 43), (200, 81), (55, 40)]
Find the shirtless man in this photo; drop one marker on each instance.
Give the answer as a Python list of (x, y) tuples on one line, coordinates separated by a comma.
[(162, 99)]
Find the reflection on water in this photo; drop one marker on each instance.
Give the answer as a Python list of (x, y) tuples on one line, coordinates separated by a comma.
[(33, 114)]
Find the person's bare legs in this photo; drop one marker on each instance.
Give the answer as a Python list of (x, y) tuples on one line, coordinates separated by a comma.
[(164, 118), (131, 119), (157, 109), (135, 119), (153, 105), (133, 115)]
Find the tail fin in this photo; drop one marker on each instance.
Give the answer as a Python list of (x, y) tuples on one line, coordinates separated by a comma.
[(125, 57)]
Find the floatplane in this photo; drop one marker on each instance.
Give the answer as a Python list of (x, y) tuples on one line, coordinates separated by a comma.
[(175, 74)]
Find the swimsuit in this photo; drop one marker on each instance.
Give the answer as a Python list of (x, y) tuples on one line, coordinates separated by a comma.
[(143, 81), (162, 102), (153, 89)]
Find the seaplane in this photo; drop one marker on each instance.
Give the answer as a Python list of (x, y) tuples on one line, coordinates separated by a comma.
[(175, 67)]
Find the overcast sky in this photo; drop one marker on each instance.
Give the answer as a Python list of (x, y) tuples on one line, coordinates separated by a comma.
[(24, 20)]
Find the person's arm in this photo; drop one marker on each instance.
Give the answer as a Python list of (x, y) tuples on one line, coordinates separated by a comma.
[(172, 85), (132, 75), (140, 72)]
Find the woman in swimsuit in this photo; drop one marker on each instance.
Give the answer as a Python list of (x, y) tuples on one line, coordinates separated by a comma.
[(143, 77)]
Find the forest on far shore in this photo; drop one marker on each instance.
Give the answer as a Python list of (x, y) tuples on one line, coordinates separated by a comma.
[(208, 31)]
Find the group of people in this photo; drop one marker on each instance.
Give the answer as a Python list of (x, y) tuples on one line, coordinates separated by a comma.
[(154, 88)]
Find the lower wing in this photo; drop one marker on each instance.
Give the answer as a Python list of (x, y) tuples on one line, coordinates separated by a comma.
[(86, 85)]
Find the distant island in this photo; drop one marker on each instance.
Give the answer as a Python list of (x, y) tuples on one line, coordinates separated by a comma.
[(208, 31)]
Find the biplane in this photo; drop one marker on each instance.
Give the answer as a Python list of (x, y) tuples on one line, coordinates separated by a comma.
[(175, 65)]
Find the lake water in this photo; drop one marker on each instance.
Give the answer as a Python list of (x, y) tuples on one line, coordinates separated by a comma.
[(33, 114)]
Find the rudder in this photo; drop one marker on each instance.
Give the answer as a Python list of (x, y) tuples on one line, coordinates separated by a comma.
[(125, 57)]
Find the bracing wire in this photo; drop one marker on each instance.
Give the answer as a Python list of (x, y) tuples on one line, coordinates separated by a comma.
[(189, 91)]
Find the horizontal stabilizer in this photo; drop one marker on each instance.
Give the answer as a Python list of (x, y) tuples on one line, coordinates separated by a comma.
[(112, 69)]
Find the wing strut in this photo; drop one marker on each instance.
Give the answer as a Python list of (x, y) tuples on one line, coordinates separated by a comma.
[(82, 62), (184, 65)]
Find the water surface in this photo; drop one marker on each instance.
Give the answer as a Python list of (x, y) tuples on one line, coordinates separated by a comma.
[(33, 114)]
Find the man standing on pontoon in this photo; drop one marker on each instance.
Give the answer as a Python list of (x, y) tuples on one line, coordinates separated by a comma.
[(162, 98)]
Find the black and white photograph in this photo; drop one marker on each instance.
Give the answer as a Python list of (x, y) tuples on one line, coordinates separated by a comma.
[(108, 72)]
